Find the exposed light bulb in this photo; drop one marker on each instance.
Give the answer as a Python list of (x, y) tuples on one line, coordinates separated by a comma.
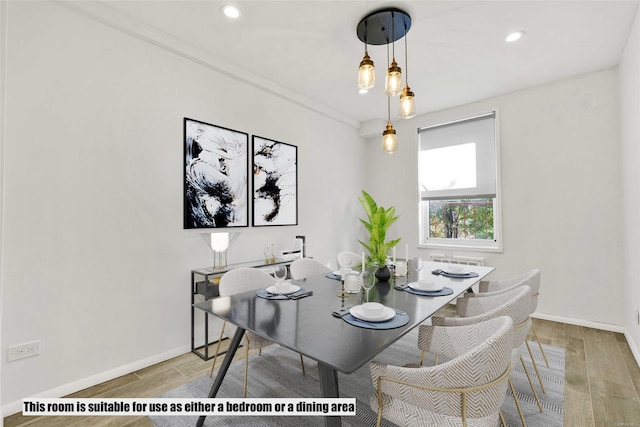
[(407, 104), (366, 74), (393, 83), (389, 140)]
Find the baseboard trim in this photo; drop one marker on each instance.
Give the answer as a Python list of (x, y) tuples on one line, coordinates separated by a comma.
[(66, 389), (579, 322)]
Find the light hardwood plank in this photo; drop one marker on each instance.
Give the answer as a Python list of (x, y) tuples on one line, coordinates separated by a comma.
[(614, 398)]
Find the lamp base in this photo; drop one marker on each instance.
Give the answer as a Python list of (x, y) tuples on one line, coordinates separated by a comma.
[(219, 260)]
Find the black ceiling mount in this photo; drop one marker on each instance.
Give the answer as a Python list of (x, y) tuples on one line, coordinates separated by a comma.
[(384, 26)]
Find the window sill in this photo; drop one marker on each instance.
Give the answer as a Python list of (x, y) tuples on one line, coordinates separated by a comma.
[(465, 246)]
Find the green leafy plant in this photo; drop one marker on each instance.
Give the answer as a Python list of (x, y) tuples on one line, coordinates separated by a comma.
[(378, 222)]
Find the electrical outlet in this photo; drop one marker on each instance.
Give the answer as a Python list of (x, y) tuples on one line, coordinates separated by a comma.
[(21, 351), (638, 317)]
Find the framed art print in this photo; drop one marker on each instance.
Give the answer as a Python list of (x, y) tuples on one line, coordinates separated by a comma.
[(275, 182), (216, 168)]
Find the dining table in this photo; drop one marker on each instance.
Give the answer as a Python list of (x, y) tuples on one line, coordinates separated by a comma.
[(321, 327)]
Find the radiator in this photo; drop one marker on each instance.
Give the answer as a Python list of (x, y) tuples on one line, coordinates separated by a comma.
[(458, 259)]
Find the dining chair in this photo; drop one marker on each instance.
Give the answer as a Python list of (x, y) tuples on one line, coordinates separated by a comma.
[(515, 304), (467, 390), (234, 282), (306, 267), (530, 278), (348, 259)]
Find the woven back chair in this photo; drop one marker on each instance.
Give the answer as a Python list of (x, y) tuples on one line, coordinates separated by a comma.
[(468, 390), (514, 303), (307, 267), (532, 279), (235, 282)]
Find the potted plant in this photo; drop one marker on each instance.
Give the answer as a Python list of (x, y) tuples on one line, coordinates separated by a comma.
[(378, 221)]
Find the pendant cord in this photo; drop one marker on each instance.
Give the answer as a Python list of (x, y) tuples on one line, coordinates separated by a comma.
[(366, 33), (393, 35), (406, 56)]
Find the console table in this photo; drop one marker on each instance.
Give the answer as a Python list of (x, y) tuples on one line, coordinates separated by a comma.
[(204, 281)]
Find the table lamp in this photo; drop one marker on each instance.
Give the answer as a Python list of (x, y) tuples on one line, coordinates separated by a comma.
[(219, 244)]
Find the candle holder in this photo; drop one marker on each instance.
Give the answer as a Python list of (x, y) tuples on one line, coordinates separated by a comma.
[(342, 292)]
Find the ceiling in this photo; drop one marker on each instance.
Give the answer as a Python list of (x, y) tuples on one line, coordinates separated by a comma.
[(308, 51)]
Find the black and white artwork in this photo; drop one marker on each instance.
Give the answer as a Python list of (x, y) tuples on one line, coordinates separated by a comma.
[(275, 182), (216, 193)]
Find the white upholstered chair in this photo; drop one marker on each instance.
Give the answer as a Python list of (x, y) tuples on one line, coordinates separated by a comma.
[(348, 259), (306, 267), (515, 304), (468, 390), (234, 282)]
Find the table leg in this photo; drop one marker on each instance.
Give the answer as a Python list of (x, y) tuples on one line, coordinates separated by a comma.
[(329, 386), (233, 346)]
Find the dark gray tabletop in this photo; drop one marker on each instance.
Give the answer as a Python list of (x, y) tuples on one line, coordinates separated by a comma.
[(308, 327)]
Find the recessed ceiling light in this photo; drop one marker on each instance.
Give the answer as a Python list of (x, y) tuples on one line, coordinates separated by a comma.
[(516, 35), (230, 11)]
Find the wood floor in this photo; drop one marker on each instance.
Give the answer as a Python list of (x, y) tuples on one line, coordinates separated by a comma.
[(602, 382)]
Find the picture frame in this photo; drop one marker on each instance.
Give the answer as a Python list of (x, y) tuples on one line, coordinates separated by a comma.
[(216, 170), (275, 182)]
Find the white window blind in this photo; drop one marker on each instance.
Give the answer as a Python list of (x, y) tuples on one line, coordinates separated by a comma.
[(457, 160)]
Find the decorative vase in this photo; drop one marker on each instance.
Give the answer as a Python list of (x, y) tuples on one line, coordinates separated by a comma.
[(382, 273), (383, 288)]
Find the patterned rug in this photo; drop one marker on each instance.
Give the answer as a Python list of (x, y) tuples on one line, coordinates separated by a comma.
[(277, 373)]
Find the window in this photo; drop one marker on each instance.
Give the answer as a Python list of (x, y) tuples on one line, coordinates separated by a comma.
[(459, 186)]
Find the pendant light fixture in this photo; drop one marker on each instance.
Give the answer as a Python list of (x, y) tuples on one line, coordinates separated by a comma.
[(393, 82), (389, 140), (366, 72), (384, 27), (407, 98)]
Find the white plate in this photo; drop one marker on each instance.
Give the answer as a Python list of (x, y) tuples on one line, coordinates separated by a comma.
[(417, 287), (387, 313), (337, 272), (292, 288)]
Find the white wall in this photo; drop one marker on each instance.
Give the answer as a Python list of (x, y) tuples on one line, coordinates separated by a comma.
[(629, 89), (3, 40), (95, 261), (561, 194)]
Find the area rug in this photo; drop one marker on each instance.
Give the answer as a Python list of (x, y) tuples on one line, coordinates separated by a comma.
[(277, 373)]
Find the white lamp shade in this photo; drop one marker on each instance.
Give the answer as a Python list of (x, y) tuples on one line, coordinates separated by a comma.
[(219, 242)]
